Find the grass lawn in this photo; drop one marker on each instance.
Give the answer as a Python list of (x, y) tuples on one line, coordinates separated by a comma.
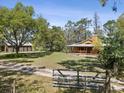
[(38, 84), (49, 61), (52, 61), (25, 83)]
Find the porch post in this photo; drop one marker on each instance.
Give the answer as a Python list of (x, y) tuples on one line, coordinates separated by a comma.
[(86, 51)]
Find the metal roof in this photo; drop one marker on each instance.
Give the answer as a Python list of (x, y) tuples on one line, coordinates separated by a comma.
[(81, 45), (26, 44)]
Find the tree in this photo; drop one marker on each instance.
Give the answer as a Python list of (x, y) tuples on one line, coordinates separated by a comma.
[(69, 32), (81, 29), (77, 31), (56, 39), (40, 37), (109, 27), (17, 25), (48, 39), (112, 55), (96, 25), (1, 42), (97, 42), (120, 24)]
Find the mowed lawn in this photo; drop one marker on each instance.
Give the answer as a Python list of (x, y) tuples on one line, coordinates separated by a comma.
[(52, 61), (35, 83)]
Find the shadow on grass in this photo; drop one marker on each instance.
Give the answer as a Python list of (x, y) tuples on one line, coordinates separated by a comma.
[(73, 90), (5, 73), (10, 73), (87, 63), (7, 78), (114, 91)]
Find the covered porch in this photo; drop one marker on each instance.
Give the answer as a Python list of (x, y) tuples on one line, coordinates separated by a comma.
[(82, 48)]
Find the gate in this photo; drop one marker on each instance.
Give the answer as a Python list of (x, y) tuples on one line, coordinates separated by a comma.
[(64, 78)]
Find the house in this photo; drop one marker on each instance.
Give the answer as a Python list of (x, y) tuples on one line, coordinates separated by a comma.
[(6, 47), (85, 47)]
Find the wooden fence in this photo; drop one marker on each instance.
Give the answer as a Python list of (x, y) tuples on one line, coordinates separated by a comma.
[(63, 78)]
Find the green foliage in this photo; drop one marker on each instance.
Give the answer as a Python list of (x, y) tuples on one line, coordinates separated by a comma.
[(82, 29), (17, 25), (77, 31), (97, 42), (56, 40), (112, 56), (40, 36), (69, 32), (109, 27), (24, 55), (49, 39)]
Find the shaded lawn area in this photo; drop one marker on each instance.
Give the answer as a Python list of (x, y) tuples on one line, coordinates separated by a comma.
[(24, 83), (54, 60), (31, 54), (27, 83)]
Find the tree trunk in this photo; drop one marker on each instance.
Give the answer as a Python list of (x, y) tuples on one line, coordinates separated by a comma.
[(108, 82), (115, 68), (17, 50), (85, 35)]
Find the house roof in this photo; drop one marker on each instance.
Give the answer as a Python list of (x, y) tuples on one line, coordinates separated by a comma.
[(90, 40), (86, 43), (26, 44), (81, 45)]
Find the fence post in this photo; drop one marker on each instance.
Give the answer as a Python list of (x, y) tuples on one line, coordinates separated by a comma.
[(53, 72), (108, 82), (78, 79), (85, 84), (13, 87)]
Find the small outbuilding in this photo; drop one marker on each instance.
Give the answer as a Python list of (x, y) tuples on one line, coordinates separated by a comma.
[(6, 47)]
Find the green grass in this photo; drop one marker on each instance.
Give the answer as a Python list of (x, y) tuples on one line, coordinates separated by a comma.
[(49, 61), (25, 83), (34, 54), (53, 60)]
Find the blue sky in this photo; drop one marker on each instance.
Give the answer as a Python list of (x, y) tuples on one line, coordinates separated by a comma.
[(58, 12)]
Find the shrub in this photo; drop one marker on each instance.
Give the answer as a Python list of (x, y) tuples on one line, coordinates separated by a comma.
[(24, 55)]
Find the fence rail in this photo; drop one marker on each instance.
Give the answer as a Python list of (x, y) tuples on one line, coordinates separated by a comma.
[(63, 78)]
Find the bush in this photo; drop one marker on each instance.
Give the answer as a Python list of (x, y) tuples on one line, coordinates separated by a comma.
[(24, 55)]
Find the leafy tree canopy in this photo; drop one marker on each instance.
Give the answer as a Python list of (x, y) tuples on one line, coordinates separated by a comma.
[(112, 55), (17, 25)]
